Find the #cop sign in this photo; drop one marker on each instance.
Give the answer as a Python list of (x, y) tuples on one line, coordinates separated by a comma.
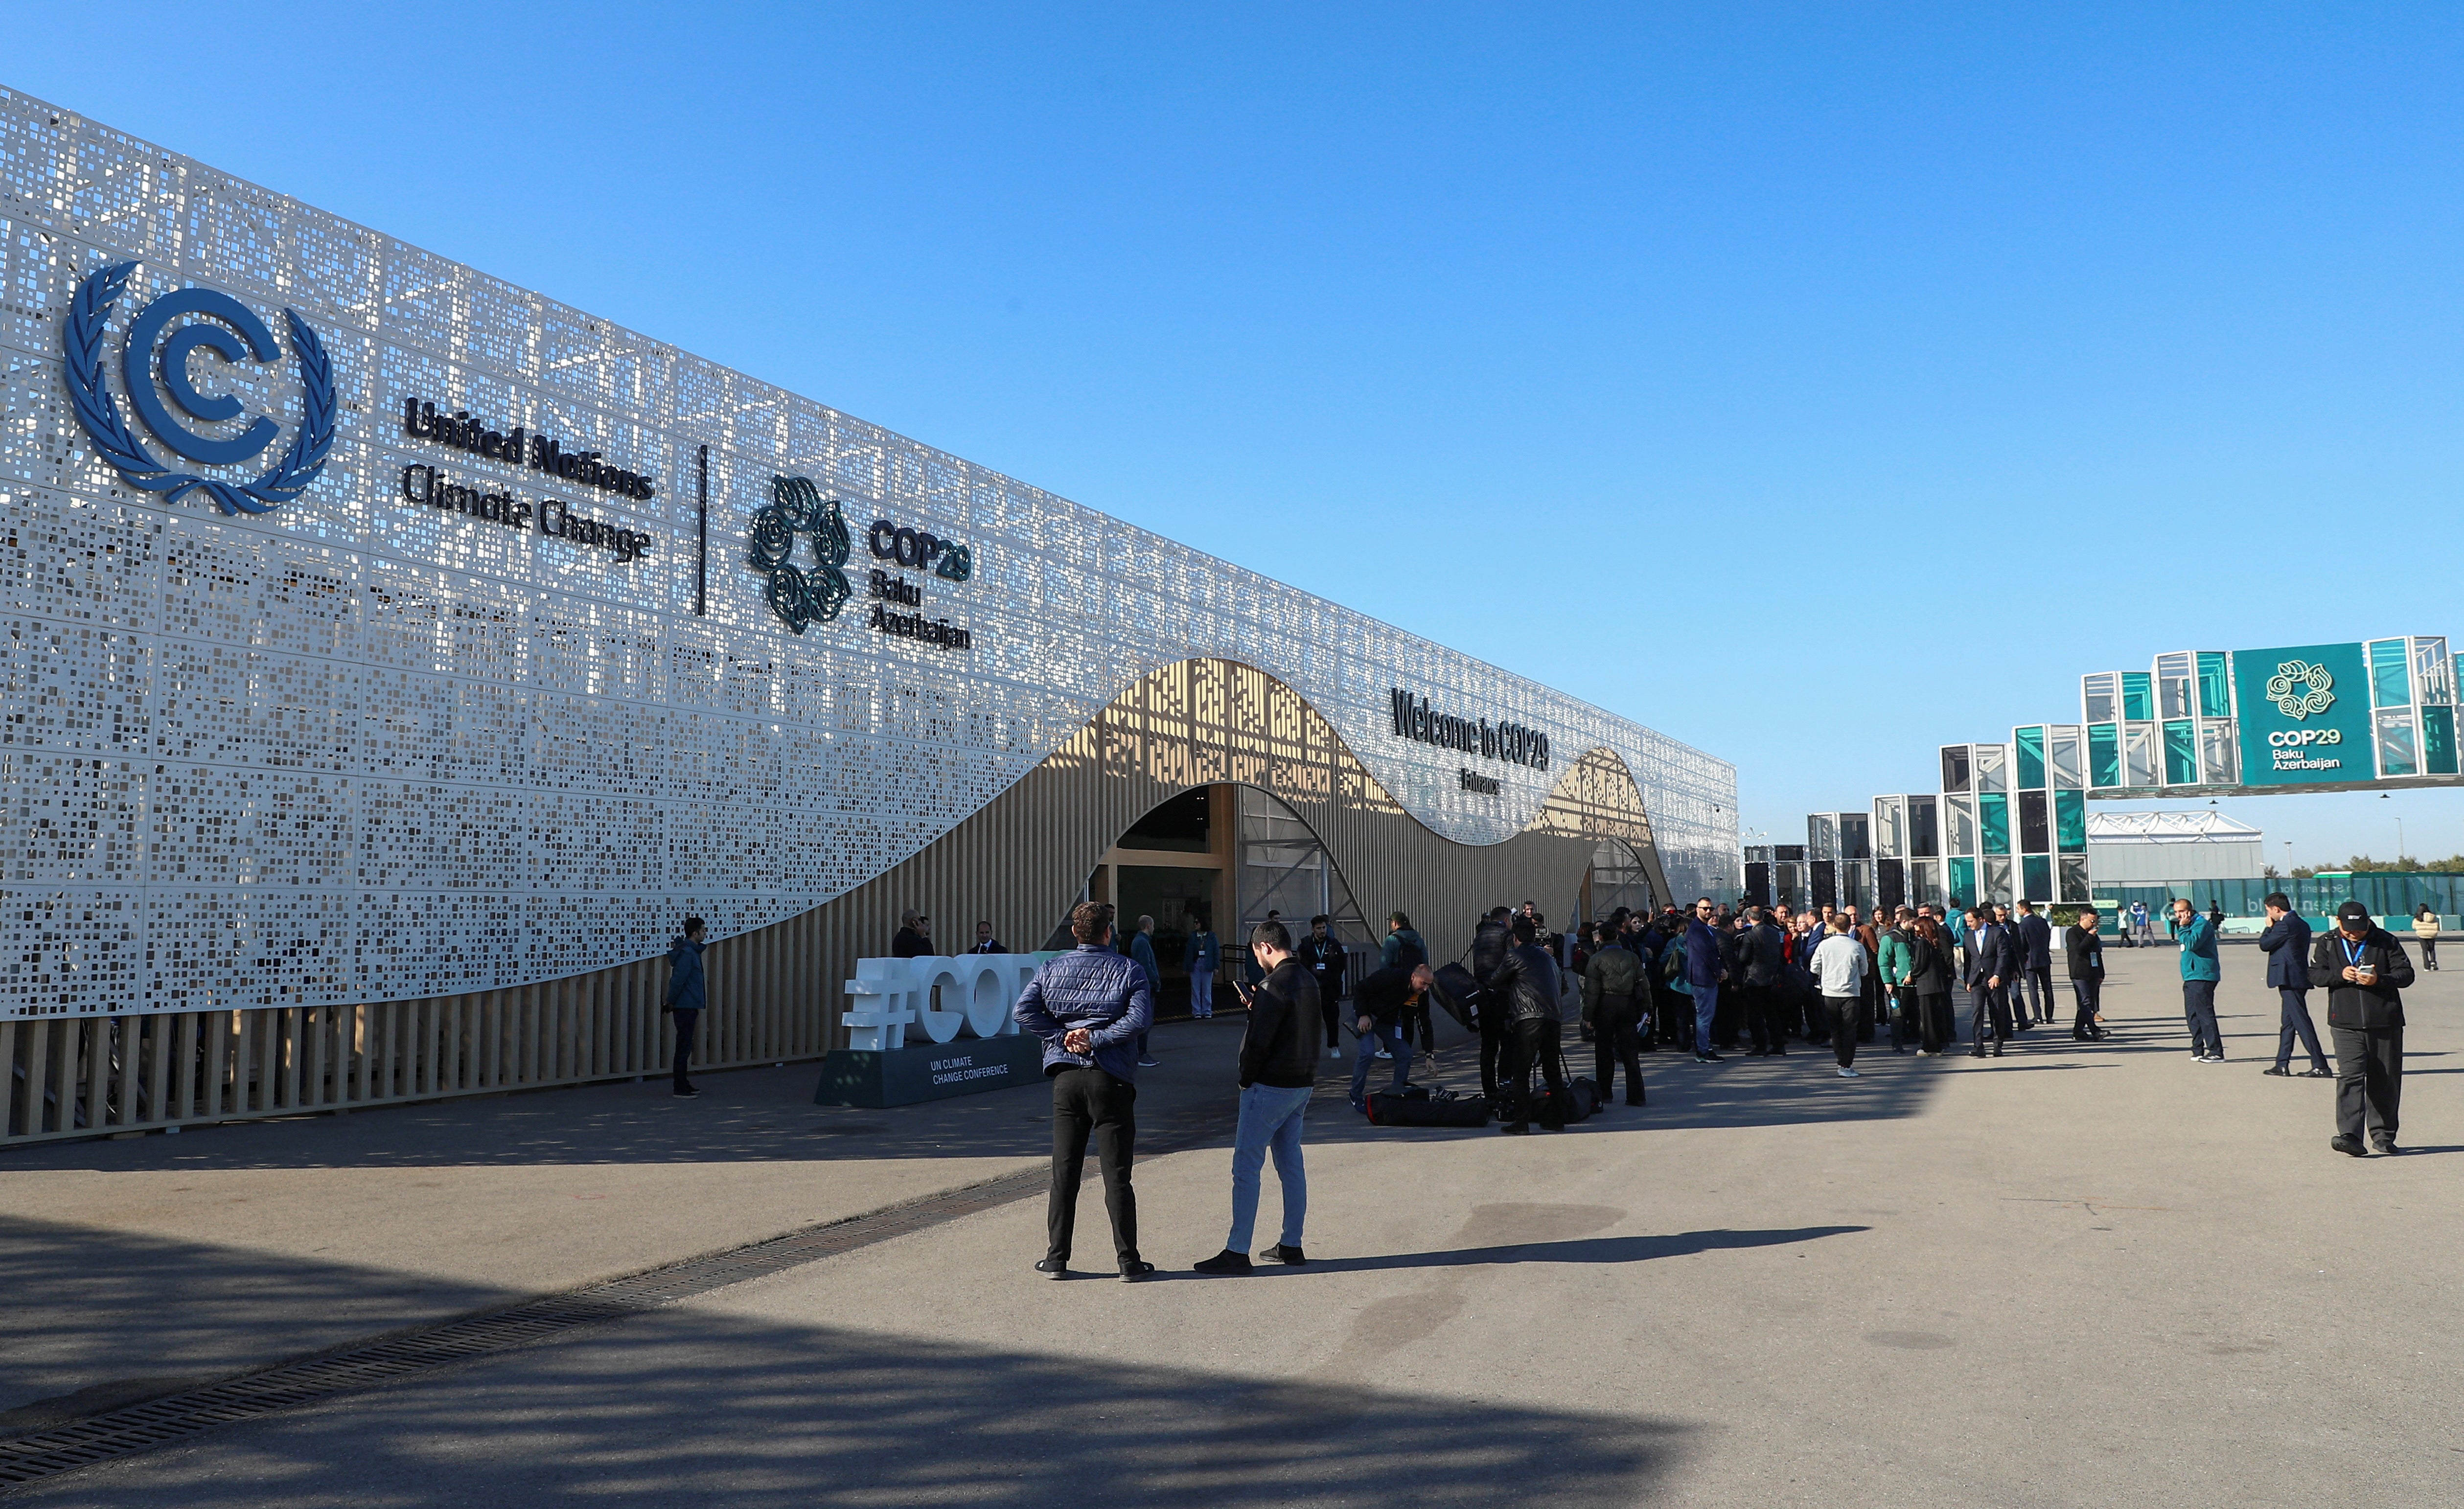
[(2305, 714)]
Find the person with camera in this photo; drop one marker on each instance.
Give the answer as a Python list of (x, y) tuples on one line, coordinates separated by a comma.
[(1525, 984), (2365, 973)]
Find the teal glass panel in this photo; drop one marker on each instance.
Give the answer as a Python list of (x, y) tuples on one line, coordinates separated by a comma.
[(2070, 821), (2216, 686), (2182, 754), (2036, 878), (2137, 697), (2031, 743), (2438, 740), (2103, 754), (2391, 673), (1963, 879), (1994, 820)]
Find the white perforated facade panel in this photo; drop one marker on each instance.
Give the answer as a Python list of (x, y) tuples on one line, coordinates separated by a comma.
[(361, 748)]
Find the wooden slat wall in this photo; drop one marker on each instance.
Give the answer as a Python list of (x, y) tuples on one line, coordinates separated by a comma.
[(776, 993)]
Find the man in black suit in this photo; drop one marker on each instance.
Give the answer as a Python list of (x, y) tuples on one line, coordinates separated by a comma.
[(2287, 942), (1993, 964), (2035, 968)]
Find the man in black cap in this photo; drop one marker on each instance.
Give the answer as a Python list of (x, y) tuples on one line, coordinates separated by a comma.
[(2363, 970)]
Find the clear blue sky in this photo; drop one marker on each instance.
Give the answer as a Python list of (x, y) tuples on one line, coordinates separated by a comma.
[(1814, 384)]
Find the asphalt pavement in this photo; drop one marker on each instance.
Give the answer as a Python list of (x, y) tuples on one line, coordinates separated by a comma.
[(2083, 1274)]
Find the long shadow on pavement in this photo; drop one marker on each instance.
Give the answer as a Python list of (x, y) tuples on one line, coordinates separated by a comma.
[(96, 1319), (691, 1407), (1579, 1250)]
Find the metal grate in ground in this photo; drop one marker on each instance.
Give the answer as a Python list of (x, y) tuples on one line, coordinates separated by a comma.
[(291, 1386)]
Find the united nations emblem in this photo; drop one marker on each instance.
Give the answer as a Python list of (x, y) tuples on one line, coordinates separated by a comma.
[(2298, 688), (141, 363), (805, 595)]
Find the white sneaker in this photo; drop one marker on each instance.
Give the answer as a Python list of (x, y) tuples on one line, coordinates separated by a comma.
[(1847, 1073), (1335, 1053), (1383, 1054)]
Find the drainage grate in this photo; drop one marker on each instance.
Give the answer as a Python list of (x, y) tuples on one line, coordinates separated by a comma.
[(291, 1386)]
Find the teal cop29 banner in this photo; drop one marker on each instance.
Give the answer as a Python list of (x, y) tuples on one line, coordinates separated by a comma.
[(2305, 716)]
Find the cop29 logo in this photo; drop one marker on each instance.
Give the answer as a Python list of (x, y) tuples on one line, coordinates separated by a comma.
[(143, 362), (2299, 688), (806, 595)]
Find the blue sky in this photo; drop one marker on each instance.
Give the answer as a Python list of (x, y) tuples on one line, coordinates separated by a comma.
[(1814, 384)]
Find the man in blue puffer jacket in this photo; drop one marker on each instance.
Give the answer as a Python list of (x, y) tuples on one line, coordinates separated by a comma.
[(1091, 1006)]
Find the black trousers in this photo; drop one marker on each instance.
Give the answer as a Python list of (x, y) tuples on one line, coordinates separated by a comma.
[(1933, 1022), (1676, 1017), (1530, 1043), (2199, 1010), (2038, 985), (1494, 1031), (1762, 1010), (1090, 1101), (1328, 1008), (1988, 1009), (2293, 1020), (1420, 1026), (1614, 1042), (1842, 1012), (2090, 994), (688, 1027), (2369, 1081)]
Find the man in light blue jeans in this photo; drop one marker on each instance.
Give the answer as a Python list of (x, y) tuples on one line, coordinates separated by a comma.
[(1278, 1070), (1706, 967)]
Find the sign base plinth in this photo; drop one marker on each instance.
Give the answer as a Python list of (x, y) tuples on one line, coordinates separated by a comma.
[(930, 1071)]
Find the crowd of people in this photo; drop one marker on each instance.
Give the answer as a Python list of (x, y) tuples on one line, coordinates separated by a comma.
[(1710, 980)]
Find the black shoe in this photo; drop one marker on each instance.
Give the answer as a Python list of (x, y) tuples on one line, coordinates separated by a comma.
[(1707, 1057), (1289, 1256), (1634, 1100), (2323, 1072), (1223, 1264), (1780, 1052), (2278, 1071), (1053, 1267), (2348, 1145), (685, 1092), (1135, 1270), (1976, 1053), (1516, 1128), (2386, 1149), (1997, 1050)]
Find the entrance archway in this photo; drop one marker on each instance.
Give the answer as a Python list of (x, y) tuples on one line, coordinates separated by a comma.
[(1618, 878), (1226, 856)]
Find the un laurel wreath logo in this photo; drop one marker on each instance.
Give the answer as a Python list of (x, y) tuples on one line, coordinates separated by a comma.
[(2299, 688), (81, 342), (800, 597)]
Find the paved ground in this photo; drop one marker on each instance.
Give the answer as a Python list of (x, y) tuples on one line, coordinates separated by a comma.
[(2082, 1275)]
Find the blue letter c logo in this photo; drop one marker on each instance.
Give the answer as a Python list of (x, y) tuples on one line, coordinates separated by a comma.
[(138, 362)]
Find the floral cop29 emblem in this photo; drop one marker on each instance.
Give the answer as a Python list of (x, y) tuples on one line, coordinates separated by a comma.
[(806, 595), (83, 343), (2299, 688)]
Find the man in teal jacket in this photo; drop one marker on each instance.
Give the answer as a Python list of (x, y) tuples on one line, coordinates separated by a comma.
[(2197, 936)]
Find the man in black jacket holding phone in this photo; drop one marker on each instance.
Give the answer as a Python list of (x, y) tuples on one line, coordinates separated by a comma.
[(2288, 946), (1278, 1068), (2363, 970)]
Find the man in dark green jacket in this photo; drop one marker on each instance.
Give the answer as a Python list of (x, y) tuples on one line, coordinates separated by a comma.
[(2363, 970), (2197, 936)]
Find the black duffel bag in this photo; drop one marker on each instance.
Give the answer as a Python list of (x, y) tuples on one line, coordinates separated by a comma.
[(1423, 1110)]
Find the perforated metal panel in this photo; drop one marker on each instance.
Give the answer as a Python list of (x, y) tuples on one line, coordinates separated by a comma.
[(360, 748)]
